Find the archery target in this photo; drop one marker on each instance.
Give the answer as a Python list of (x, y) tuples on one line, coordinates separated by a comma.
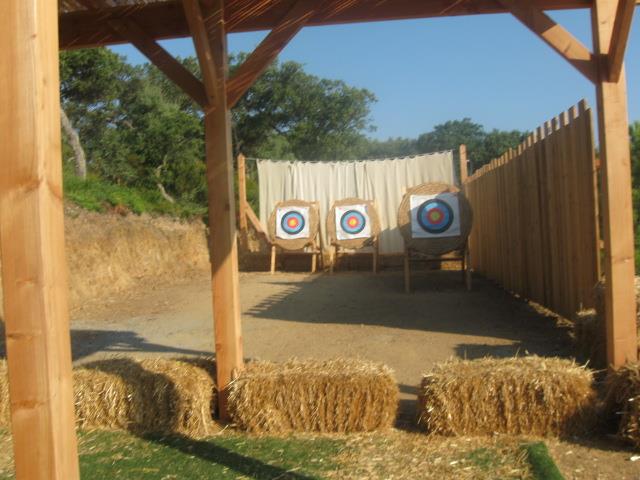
[(435, 216), (292, 223), (352, 222)]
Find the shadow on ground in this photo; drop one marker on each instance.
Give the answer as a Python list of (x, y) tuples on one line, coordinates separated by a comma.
[(438, 303)]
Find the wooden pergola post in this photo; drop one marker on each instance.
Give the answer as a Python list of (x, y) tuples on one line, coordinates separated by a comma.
[(206, 21), (34, 272), (617, 212)]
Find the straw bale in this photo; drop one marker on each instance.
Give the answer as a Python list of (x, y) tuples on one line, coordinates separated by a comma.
[(622, 401), (146, 396), (523, 395), (354, 242), (341, 395), (439, 245), (298, 243)]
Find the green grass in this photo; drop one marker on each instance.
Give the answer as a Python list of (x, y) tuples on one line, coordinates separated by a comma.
[(121, 456), (542, 464), (98, 195)]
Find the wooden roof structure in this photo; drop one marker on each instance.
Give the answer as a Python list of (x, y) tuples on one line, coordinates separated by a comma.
[(34, 273)]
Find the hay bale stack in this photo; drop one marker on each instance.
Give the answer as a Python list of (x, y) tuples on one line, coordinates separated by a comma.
[(151, 395), (314, 396), (589, 338), (147, 396), (526, 395), (622, 401)]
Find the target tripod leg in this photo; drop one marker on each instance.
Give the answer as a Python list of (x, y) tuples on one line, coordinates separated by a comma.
[(467, 269), (314, 257), (407, 272), (273, 259), (375, 256), (332, 258)]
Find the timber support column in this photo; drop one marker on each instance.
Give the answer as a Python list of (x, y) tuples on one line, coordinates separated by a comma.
[(34, 271), (206, 21), (619, 270)]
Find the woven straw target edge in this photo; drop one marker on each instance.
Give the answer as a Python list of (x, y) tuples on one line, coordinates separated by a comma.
[(435, 246), (355, 242), (300, 243)]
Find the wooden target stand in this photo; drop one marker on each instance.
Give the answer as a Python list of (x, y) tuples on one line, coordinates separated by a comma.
[(432, 249), (354, 243), (297, 246)]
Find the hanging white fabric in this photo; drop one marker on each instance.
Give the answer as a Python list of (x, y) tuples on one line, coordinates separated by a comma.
[(382, 181)]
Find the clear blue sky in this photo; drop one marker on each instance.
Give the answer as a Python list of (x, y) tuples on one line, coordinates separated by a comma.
[(424, 72)]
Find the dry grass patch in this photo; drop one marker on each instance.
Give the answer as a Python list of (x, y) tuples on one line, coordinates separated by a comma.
[(402, 455), (622, 401), (314, 396), (141, 396), (522, 395)]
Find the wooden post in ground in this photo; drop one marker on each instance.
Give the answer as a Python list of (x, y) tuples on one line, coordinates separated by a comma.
[(34, 272), (206, 22), (464, 168), (620, 303), (242, 192)]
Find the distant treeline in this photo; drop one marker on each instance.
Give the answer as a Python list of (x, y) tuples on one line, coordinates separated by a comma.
[(137, 129)]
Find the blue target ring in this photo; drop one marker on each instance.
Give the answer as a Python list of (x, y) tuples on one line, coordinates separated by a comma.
[(353, 222), (435, 216), (292, 222)]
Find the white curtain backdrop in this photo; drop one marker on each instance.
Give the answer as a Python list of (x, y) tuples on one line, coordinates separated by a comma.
[(383, 181)]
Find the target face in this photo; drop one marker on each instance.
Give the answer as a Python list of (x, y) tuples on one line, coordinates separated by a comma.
[(292, 223), (352, 221), (435, 215)]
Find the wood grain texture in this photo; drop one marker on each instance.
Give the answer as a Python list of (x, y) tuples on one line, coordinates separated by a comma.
[(619, 38), (267, 51), (167, 19), (222, 209), (535, 211), (563, 42), (34, 271), (617, 214)]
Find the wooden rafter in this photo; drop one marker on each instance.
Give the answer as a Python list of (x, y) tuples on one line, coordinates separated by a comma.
[(554, 35), (167, 19), (196, 21), (269, 48), (162, 59), (129, 30), (619, 38)]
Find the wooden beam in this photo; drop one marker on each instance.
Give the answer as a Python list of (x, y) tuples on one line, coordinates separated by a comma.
[(464, 166), (34, 272), (269, 48), (242, 191), (613, 123), (222, 209), (619, 37), (554, 35), (195, 19), (163, 20), (130, 31), (162, 59)]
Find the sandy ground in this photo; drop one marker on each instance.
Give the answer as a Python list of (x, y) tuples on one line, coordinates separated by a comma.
[(348, 314), (322, 316)]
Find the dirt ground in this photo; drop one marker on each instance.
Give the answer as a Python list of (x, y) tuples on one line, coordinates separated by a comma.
[(354, 314), (322, 316)]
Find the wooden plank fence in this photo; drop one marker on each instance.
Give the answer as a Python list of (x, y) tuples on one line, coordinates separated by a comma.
[(536, 215)]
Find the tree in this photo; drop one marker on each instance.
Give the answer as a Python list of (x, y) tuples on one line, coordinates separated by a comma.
[(482, 147), (288, 113)]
